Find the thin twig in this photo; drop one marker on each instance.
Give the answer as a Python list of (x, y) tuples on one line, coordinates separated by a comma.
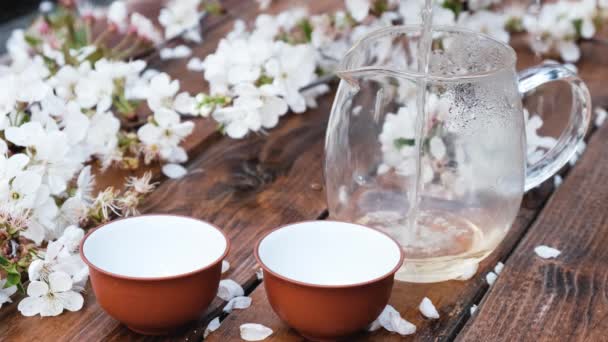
[(321, 80)]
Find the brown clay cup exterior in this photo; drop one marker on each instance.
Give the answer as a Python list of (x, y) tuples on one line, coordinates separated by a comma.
[(326, 313), (155, 306)]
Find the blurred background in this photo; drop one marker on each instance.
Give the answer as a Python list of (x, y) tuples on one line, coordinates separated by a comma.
[(19, 13)]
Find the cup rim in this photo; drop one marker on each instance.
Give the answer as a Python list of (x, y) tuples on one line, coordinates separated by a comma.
[(384, 31), (345, 286), (175, 276)]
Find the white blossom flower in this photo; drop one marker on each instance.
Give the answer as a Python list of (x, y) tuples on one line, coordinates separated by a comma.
[(180, 51), (195, 64), (558, 26), (50, 299), (162, 136), (49, 152), (358, 9), (253, 109), (490, 23), (145, 28), (6, 293), (292, 67), (62, 256), (102, 141), (22, 191), (117, 14), (179, 16), (410, 12), (162, 93), (95, 90)]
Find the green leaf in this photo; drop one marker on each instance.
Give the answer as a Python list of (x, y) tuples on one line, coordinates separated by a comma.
[(379, 7), (31, 40), (21, 288), (3, 261), (578, 26), (95, 56), (264, 79), (12, 279), (307, 28), (454, 6), (80, 38), (400, 142)]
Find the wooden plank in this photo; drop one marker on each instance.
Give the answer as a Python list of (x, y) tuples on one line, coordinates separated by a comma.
[(563, 298)]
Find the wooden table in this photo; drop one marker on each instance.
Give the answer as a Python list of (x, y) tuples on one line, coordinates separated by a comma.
[(252, 185)]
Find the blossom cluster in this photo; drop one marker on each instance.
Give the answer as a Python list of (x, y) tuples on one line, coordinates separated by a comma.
[(256, 76), (75, 102), (557, 27)]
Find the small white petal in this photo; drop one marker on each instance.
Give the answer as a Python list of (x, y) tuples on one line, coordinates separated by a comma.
[(427, 308), (30, 306), (557, 180), (229, 289), (546, 252), (375, 325), (50, 307), (174, 171), (491, 278), (468, 270), (195, 64), (71, 300), (254, 332), (225, 266), (37, 289), (403, 327), (240, 303), (358, 9), (390, 319), (600, 116), (212, 326), (498, 268), (569, 51), (473, 309), (60, 282), (34, 270)]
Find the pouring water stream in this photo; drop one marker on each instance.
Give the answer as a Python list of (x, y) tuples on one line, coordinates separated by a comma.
[(424, 53)]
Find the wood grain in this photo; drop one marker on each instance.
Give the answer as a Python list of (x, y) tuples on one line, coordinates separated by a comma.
[(565, 298)]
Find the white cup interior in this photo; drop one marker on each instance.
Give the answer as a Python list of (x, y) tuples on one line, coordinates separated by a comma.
[(154, 246), (329, 253)]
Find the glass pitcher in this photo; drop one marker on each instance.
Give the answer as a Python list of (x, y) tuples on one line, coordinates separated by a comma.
[(446, 181)]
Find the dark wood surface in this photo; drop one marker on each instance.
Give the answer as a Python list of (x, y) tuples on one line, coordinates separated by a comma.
[(249, 186)]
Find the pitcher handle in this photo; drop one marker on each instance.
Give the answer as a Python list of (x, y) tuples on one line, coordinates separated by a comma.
[(580, 115)]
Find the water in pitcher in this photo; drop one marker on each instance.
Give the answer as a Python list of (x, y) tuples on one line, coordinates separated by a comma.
[(441, 239)]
